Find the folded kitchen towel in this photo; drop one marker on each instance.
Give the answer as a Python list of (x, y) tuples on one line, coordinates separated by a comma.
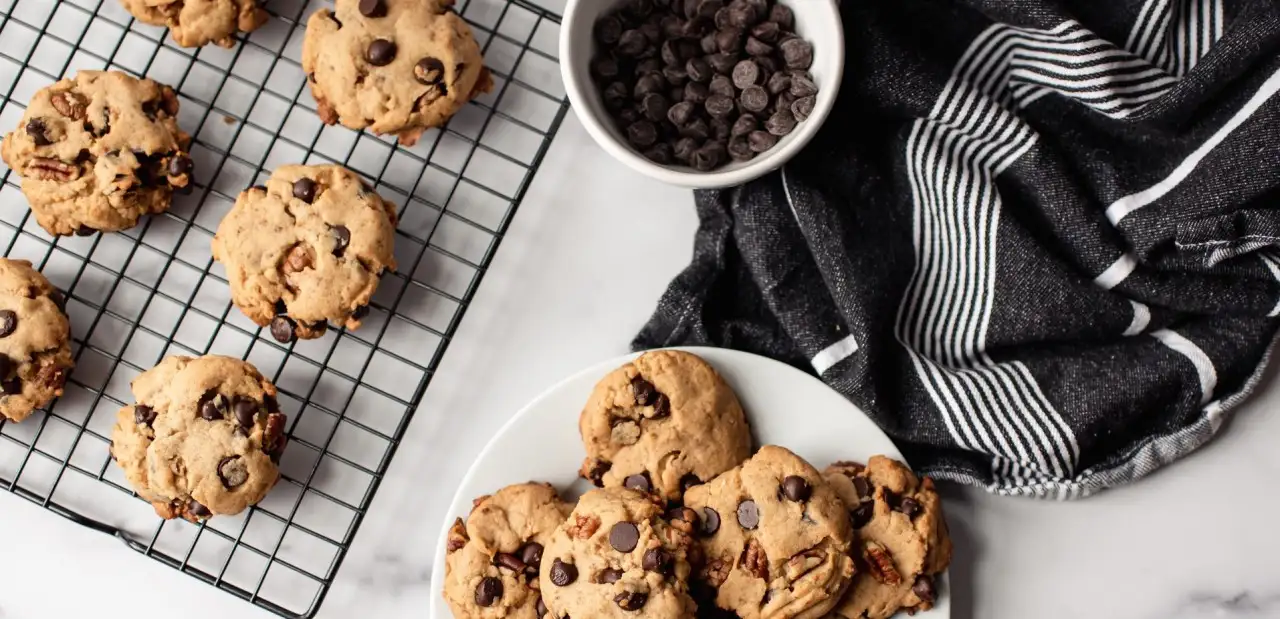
[(1037, 241)]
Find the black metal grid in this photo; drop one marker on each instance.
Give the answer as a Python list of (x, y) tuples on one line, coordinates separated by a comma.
[(139, 295)]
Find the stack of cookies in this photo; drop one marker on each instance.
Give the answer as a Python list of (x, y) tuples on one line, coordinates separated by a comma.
[(100, 150), (687, 521)]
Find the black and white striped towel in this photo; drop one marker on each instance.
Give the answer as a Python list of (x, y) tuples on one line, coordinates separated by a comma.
[(1037, 241)]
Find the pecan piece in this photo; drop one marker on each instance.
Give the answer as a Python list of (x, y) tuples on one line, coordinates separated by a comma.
[(70, 104), (47, 169), (300, 257), (716, 572), (273, 438), (803, 563), (880, 564), (754, 560), (584, 526), (457, 536)]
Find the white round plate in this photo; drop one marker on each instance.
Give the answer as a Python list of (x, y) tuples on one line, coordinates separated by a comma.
[(784, 407)]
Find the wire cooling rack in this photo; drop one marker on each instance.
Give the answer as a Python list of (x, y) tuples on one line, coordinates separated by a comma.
[(139, 295)]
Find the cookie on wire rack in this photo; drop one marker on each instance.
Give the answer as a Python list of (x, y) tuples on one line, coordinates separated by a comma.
[(98, 151), (306, 249), (194, 23), (35, 351), (204, 437), (393, 66)]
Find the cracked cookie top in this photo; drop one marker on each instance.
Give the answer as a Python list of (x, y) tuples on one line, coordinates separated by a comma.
[(203, 438), (902, 541), (662, 423), (99, 151), (775, 538), (394, 66), (194, 23), (35, 354), (306, 249), (618, 555), (493, 563)]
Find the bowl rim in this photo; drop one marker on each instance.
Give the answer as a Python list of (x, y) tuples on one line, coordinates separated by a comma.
[(687, 177)]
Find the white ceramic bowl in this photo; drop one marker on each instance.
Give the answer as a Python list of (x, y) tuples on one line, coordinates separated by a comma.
[(818, 21)]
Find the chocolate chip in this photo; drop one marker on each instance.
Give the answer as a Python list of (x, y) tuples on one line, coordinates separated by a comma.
[(632, 44), (655, 107), (84, 230), (659, 153), (676, 76), (597, 471), (729, 40), (748, 514), (719, 106), (509, 561), (658, 560), (802, 84), (8, 322), (489, 591), (628, 116), (688, 481), (38, 132), (284, 329), (6, 365), (639, 481), (710, 521), (756, 47), (707, 42), (335, 19), (802, 108), (642, 133), (795, 488), (677, 51), (679, 115), (707, 8), (616, 95), (341, 239), (862, 487), (778, 83), (604, 67), (213, 406), (781, 123), (766, 31), (671, 26), (721, 19), (246, 411), (767, 64), (722, 63), (761, 141), (624, 536), (196, 509), (860, 516), (746, 73), (684, 148), (909, 506), (797, 53), (651, 82), (653, 34), (609, 576), (781, 14), (743, 15), (699, 70), (563, 574), (180, 165), (373, 8), (740, 148), (11, 385), (144, 415), (783, 102), (531, 554), (723, 86), (233, 472), (708, 157), (541, 608), (631, 600), (380, 53), (696, 92), (745, 124), (305, 189), (923, 588), (754, 99), (429, 71), (608, 30)]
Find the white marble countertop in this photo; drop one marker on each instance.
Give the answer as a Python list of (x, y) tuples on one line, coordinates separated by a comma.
[(588, 254)]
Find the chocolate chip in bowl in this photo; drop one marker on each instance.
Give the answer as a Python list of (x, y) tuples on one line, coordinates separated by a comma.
[(703, 93)]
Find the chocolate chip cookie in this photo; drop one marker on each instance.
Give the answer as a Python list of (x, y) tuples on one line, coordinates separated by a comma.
[(775, 537), (194, 23), (306, 249), (394, 66), (662, 423), (35, 355), (203, 439), (618, 555), (493, 560), (902, 538), (99, 151)]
